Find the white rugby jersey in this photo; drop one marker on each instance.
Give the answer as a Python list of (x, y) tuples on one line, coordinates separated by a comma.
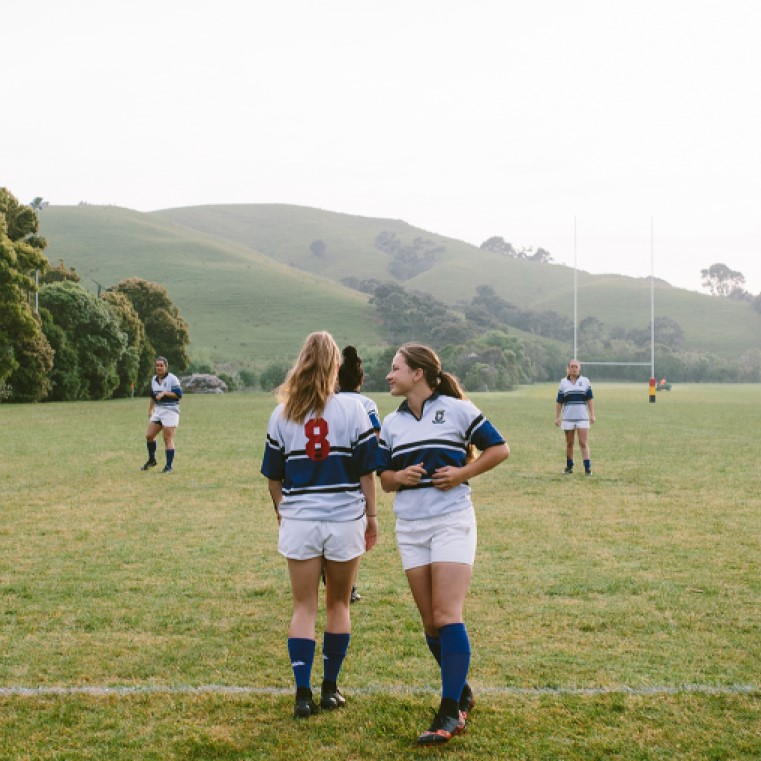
[(369, 405), (320, 461), (440, 438), (171, 383), (573, 395)]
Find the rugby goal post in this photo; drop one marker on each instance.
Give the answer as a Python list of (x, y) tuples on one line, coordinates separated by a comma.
[(651, 364)]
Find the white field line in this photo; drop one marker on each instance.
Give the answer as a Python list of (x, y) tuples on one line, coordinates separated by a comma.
[(220, 689)]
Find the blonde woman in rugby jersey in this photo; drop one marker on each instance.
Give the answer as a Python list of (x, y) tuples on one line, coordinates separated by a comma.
[(574, 413), (427, 458), (319, 459)]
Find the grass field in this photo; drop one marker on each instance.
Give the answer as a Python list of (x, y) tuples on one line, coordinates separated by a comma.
[(144, 616)]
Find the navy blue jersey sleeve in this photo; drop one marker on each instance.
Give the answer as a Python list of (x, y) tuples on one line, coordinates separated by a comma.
[(177, 390), (273, 462), (483, 434), (365, 454)]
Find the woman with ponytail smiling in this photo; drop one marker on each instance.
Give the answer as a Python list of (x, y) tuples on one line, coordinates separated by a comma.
[(427, 456)]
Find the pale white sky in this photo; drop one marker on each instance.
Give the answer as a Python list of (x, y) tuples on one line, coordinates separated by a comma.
[(468, 119)]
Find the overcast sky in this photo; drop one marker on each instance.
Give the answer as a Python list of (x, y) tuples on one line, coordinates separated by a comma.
[(468, 119)]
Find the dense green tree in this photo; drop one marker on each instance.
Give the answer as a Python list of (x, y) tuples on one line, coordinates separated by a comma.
[(165, 329), (136, 364), (273, 375), (318, 248), (498, 245), (721, 280), (25, 354), (92, 339), (59, 273)]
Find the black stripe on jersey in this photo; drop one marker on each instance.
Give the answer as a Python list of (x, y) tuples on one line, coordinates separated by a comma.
[(427, 443), (274, 444), (333, 450), (366, 435), (323, 489), (473, 426)]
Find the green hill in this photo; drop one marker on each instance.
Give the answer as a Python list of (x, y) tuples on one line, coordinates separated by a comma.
[(242, 307), (285, 233), (252, 280)]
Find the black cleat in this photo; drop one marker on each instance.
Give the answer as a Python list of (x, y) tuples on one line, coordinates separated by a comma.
[(467, 701), (568, 471), (168, 469), (150, 464), (442, 730), (588, 472), (355, 596), (304, 706), (331, 698)]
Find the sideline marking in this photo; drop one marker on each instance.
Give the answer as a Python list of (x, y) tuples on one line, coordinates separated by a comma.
[(221, 689)]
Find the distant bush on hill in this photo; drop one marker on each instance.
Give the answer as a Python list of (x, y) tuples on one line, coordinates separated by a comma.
[(408, 260)]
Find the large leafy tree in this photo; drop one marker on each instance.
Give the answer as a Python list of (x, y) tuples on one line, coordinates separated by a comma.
[(165, 329), (136, 365), (88, 340), (722, 280), (25, 354)]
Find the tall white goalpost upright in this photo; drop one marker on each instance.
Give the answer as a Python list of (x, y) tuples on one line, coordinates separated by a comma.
[(650, 364)]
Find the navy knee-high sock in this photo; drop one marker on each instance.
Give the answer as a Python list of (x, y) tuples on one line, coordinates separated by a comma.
[(151, 449), (301, 652), (455, 661), (334, 648)]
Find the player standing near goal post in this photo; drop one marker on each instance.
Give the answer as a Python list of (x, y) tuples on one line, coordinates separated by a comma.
[(163, 414), (320, 459), (574, 413), (427, 457)]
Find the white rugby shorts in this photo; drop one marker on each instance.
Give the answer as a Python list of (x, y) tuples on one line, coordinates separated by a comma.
[(167, 418), (572, 425), (449, 538), (339, 541)]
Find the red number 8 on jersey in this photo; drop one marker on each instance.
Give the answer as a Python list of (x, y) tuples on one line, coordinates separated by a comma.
[(318, 446)]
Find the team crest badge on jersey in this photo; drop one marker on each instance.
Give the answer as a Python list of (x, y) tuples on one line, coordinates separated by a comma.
[(438, 418)]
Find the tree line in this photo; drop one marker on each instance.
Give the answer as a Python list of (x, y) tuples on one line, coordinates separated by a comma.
[(61, 342)]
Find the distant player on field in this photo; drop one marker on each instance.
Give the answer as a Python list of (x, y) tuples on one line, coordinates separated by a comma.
[(163, 413), (320, 459), (350, 379), (574, 412), (427, 458)]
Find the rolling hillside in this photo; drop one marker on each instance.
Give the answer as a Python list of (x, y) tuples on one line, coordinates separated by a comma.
[(242, 307), (285, 233), (252, 280)]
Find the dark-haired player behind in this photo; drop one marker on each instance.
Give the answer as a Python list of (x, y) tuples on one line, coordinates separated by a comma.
[(163, 414), (351, 376)]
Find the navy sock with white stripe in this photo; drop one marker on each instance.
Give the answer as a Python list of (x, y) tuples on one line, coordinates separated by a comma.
[(301, 652)]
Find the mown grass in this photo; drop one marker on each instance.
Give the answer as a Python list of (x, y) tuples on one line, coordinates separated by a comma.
[(643, 577)]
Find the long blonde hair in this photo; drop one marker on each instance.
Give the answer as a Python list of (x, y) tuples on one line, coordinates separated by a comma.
[(312, 379)]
